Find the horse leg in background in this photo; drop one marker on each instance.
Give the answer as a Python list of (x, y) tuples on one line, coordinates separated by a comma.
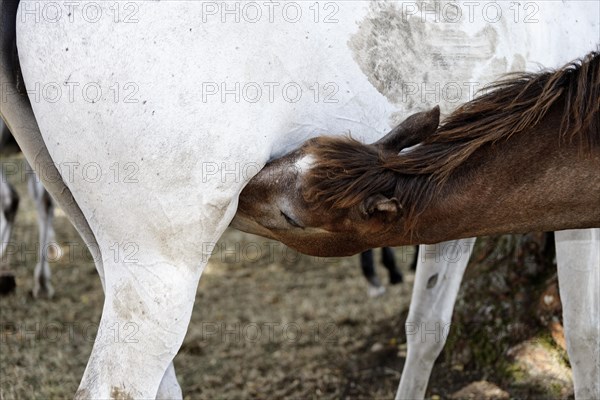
[(413, 264), (368, 269), (578, 259), (387, 257), (9, 204), (45, 215), (437, 281), (549, 249)]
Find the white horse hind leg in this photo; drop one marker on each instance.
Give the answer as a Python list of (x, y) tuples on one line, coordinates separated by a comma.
[(578, 259), (439, 273), (169, 388), (152, 264), (146, 312)]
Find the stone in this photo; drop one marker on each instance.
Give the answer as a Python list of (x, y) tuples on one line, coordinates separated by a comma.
[(558, 334), (376, 347), (481, 390), (539, 364)]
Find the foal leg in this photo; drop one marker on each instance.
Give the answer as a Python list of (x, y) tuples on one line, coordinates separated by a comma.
[(45, 213), (578, 259), (387, 257), (437, 281), (413, 264)]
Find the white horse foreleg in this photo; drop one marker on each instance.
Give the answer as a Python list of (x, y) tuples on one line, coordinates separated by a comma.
[(578, 259), (439, 273)]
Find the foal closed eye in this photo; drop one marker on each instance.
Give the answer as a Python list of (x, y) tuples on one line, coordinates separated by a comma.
[(291, 221)]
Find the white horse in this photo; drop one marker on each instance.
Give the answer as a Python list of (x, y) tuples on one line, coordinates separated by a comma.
[(9, 202), (195, 97)]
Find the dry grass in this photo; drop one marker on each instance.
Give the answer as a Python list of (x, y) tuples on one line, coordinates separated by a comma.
[(271, 290), (320, 335)]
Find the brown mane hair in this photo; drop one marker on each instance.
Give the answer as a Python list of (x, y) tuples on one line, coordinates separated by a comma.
[(346, 172)]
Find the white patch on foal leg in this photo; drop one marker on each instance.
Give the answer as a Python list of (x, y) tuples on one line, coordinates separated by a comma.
[(578, 259), (375, 291), (439, 273)]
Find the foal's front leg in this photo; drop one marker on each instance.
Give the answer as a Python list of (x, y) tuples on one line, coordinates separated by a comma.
[(439, 273), (578, 259)]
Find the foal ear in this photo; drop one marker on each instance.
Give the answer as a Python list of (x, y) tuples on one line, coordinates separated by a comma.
[(382, 207), (412, 131)]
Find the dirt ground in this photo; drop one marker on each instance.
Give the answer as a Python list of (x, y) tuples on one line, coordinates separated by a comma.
[(267, 323)]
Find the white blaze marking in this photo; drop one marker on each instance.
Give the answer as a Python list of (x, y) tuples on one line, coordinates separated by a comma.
[(304, 164)]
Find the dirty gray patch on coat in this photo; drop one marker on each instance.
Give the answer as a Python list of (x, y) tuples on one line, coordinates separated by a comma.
[(417, 64), (432, 281)]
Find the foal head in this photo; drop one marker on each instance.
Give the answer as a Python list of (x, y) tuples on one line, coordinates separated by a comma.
[(284, 201), (337, 196)]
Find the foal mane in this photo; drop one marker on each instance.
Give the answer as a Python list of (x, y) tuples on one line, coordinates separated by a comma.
[(345, 172)]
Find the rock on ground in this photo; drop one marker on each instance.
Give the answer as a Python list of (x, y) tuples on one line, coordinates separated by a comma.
[(537, 363), (481, 390)]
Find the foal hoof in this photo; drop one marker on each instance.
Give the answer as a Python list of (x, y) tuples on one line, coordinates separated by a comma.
[(8, 284), (376, 291), (396, 279)]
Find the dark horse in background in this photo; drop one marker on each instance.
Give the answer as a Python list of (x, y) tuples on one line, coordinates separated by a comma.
[(388, 260), (9, 205)]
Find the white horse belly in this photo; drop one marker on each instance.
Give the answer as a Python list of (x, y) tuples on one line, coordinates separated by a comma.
[(156, 121)]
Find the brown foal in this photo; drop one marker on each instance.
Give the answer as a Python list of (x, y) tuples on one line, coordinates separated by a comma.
[(525, 156)]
